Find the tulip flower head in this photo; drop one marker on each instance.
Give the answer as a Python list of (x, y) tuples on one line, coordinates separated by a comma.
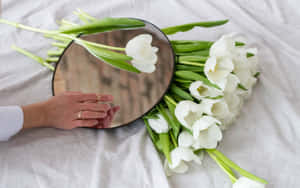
[(199, 90), (159, 125), (143, 53), (207, 133), (179, 157), (187, 112)]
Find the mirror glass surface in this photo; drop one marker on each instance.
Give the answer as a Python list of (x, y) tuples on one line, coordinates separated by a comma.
[(136, 94)]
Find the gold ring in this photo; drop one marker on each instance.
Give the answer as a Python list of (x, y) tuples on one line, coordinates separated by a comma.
[(79, 114)]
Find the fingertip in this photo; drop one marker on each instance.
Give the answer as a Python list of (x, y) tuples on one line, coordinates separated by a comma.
[(116, 108), (105, 98)]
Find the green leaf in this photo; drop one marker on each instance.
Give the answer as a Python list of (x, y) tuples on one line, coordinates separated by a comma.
[(121, 65), (239, 44), (108, 54), (175, 125), (234, 166), (204, 45), (181, 93), (193, 58), (242, 87), (187, 27), (113, 58), (194, 53), (256, 74), (223, 166), (183, 81), (190, 68), (103, 25), (174, 42), (186, 129), (154, 136), (249, 54), (171, 122), (152, 114), (165, 145), (189, 75), (215, 98)]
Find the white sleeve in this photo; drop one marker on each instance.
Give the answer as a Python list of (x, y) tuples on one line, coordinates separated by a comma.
[(11, 121)]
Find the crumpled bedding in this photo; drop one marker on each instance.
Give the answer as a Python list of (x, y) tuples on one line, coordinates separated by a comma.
[(264, 140)]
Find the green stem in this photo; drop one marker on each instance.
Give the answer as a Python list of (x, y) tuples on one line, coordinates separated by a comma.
[(67, 23), (21, 26), (223, 166), (59, 34), (234, 166), (52, 59), (191, 63), (32, 56), (82, 42), (172, 101), (173, 139), (55, 52), (59, 44), (81, 12)]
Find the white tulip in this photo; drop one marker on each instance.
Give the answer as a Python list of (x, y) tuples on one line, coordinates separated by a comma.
[(223, 47), (179, 157), (229, 84), (206, 133), (187, 112), (185, 139), (200, 90), (217, 108), (217, 69), (143, 54), (244, 182), (159, 125)]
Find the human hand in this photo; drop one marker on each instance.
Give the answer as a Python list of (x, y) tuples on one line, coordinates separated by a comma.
[(70, 110)]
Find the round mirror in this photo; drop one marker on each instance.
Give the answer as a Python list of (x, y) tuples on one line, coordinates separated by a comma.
[(136, 94)]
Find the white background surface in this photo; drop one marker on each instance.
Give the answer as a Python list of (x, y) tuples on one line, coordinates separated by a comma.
[(265, 140)]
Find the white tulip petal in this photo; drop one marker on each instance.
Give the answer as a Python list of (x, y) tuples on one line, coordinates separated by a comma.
[(233, 102), (185, 139), (187, 112), (232, 82), (246, 78), (147, 68), (200, 90), (143, 54), (181, 168), (180, 155), (244, 182), (203, 124), (155, 49), (217, 108), (217, 69), (159, 125), (209, 138), (222, 47)]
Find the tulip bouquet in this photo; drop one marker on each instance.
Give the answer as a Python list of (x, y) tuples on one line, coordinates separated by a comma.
[(211, 82)]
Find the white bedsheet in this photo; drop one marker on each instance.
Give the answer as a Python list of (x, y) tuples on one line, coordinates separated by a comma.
[(265, 139)]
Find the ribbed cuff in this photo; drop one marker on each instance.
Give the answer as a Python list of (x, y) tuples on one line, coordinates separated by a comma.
[(11, 121)]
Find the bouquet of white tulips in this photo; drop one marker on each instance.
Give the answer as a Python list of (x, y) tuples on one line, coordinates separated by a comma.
[(211, 82)]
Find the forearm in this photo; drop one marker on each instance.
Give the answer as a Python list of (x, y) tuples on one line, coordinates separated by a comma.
[(34, 115)]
